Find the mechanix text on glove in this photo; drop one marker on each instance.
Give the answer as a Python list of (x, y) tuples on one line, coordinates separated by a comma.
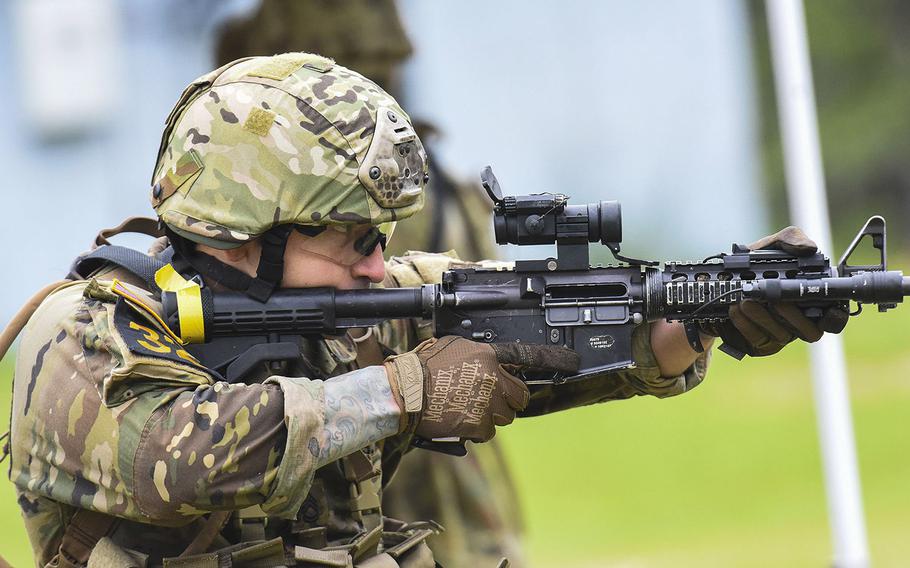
[(466, 390)]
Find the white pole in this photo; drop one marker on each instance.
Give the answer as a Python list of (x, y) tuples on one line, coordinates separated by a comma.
[(809, 210)]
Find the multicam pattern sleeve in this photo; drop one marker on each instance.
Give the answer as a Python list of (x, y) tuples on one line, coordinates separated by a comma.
[(358, 409), (111, 415)]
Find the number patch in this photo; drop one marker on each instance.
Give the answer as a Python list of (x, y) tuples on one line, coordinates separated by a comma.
[(144, 340)]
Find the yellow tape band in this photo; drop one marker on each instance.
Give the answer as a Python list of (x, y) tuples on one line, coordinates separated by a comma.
[(189, 303), (192, 323), (170, 280)]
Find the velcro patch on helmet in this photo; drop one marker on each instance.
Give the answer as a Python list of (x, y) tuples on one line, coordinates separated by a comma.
[(186, 167), (280, 67), (259, 121)]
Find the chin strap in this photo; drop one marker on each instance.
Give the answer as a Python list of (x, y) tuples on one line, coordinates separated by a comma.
[(268, 273)]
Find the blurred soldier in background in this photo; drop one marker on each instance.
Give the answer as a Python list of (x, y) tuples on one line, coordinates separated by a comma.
[(472, 497)]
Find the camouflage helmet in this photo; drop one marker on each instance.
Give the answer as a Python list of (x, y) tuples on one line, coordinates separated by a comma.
[(291, 139)]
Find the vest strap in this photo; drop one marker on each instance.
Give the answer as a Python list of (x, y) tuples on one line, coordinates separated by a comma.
[(81, 535)]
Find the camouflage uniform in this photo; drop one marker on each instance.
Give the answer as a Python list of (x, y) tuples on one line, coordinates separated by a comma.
[(111, 414)]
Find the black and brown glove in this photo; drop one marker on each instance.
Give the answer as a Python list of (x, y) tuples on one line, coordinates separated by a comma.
[(455, 387), (759, 329)]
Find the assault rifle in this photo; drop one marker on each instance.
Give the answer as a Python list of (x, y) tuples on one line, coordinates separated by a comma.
[(560, 301)]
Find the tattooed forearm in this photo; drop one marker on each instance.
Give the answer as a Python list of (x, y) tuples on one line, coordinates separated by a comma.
[(359, 410)]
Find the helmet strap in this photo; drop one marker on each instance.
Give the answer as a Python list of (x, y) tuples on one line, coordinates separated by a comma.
[(271, 263), (268, 274)]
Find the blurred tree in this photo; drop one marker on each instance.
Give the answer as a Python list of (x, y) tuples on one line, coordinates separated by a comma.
[(861, 66)]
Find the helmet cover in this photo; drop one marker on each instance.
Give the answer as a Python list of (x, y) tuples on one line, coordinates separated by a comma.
[(286, 139)]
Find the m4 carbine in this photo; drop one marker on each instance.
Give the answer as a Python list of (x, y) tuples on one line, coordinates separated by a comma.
[(558, 301)]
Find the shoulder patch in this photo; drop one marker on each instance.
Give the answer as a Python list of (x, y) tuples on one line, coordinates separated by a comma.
[(146, 339)]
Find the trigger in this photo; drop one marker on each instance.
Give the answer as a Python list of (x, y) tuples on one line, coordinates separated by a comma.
[(732, 351), (813, 313), (450, 448)]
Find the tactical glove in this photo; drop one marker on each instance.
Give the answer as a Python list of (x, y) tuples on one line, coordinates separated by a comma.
[(760, 329), (455, 387)]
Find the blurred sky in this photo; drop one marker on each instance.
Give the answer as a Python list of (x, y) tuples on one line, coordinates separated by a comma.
[(649, 103)]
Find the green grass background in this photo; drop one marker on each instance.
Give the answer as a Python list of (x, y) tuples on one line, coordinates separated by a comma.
[(727, 475)]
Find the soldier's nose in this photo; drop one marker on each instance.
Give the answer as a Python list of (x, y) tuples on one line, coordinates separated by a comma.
[(371, 267)]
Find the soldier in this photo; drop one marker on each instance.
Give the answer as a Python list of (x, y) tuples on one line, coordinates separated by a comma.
[(277, 171)]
